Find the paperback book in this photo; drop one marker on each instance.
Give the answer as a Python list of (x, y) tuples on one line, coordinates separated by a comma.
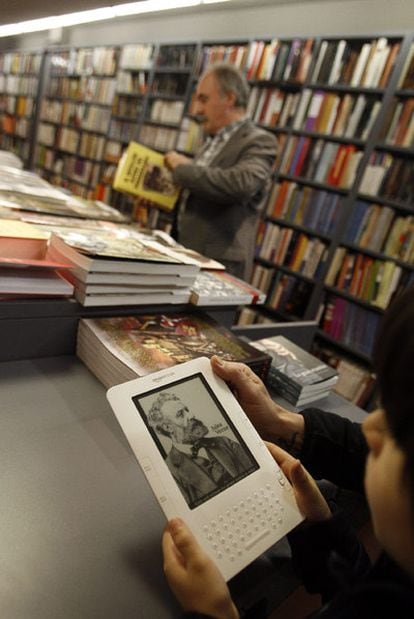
[(222, 288), (298, 376), (141, 172), (19, 239), (118, 349), (15, 201), (142, 296), (110, 251), (33, 282)]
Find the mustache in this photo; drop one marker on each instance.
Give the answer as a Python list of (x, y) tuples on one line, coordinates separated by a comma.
[(194, 423), (198, 118)]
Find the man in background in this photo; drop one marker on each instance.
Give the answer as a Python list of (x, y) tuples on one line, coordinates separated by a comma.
[(226, 185)]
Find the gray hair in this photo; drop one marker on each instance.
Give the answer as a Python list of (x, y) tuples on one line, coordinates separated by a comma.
[(231, 80), (155, 415)]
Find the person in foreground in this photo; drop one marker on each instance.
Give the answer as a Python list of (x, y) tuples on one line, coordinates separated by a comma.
[(225, 186), (377, 457)]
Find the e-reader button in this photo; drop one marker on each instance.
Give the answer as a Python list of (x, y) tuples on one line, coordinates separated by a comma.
[(155, 481), (257, 538)]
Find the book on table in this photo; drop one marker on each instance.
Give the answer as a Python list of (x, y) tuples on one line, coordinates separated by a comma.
[(105, 251), (21, 190), (297, 375), (19, 239), (9, 159), (222, 288), (117, 349), (137, 296), (25, 267), (33, 282), (141, 172)]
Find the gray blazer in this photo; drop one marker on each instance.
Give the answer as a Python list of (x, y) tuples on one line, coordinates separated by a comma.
[(226, 197)]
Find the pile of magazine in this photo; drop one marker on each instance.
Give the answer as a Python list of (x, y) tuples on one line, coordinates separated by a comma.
[(120, 348), (296, 375)]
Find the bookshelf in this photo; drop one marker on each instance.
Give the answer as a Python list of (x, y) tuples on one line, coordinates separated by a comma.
[(336, 241), (132, 82), (75, 116), (19, 82), (168, 95)]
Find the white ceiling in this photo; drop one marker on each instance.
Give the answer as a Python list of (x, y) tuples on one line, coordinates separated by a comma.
[(13, 11)]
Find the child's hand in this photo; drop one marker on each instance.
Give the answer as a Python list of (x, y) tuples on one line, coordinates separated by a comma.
[(309, 498), (254, 398), (193, 577)]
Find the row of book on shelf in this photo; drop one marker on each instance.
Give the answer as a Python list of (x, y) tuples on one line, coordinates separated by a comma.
[(337, 114), (389, 176), (303, 205), (351, 324), (372, 280), (379, 228), (355, 62), (293, 249), (321, 161)]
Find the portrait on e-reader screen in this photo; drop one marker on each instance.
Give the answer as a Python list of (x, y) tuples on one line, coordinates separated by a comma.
[(196, 438)]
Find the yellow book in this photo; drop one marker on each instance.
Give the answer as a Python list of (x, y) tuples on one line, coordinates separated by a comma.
[(141, 172)]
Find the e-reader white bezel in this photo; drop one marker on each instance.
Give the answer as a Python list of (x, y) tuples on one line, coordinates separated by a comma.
[(130, 402)]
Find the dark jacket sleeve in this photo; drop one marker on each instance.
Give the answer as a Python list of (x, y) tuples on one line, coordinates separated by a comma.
[(327, 556), (334, 448)]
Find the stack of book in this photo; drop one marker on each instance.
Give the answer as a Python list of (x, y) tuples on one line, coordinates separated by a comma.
[(21, 190), (119, 349), (26, 268), (299, 377), (116, 266)]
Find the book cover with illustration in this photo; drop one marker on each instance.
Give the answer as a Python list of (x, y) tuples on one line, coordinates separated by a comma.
[(141, 171), (117, 349), (113, 250), (297, 375)]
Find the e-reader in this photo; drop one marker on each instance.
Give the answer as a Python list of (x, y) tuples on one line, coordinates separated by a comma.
[(205, 462)]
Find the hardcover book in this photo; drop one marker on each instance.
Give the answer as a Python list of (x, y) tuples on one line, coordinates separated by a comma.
[(298, 376), (118, 349), (141, 171)]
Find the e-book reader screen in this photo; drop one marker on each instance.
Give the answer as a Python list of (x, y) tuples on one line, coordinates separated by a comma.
[(196, 438)]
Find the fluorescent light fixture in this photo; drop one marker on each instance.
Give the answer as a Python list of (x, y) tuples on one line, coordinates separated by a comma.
[(94, 15), (150, 6)]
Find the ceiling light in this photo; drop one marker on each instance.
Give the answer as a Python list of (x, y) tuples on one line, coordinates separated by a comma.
[(94, 15)]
